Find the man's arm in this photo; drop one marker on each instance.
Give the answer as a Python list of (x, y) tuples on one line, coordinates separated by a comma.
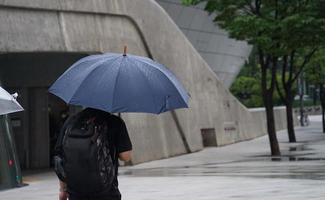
[(125, 156), (63, 191), (124, 145)]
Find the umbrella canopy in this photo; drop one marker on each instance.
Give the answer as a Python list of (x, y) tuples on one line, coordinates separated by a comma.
[(121, 83), (8, 103)]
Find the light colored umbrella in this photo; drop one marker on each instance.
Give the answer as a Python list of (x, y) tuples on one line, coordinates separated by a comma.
[(8, 103)]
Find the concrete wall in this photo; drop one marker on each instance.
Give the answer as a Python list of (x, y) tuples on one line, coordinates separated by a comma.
[(224, 55), (279, 117), (85, 26)]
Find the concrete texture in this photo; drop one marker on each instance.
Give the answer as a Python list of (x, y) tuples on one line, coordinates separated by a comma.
[(239, 171), (83, 26), (279, 117), (225, 56)]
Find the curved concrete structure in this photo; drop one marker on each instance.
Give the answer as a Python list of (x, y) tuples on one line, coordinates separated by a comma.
[(225, 56), (32, 28)]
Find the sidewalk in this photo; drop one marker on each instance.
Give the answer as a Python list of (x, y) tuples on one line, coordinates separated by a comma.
[(239, 171)]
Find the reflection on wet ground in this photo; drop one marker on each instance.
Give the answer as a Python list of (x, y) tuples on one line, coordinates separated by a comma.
[(315, 172), (300, 148), (297, 163), (294, 158)]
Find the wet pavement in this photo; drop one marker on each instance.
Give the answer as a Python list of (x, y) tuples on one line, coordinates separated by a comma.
[(302, 160), (238, 171)]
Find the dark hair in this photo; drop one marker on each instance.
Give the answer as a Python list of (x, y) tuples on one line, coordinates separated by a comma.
[(88, 113)]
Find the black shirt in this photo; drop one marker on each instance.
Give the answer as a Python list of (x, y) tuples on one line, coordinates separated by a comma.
[(118, 133), (119, 141)]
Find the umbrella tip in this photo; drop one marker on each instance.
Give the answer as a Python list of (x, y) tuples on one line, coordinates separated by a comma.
[(125, 48), (15, 95)]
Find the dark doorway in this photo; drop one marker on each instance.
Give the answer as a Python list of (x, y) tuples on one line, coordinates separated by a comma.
[(209, 137), (30, 75), (58, 112)]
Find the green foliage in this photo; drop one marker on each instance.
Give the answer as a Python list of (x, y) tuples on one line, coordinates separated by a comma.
[(275, 26), (248, 91), (251, 68), (289, 29), (247, 87), (307, 103), (315, 72), (284, 29)]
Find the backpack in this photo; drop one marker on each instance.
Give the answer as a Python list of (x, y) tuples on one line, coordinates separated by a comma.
[(84, 162)]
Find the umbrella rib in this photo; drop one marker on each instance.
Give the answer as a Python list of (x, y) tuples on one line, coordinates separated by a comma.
[(76, 65), (92, 71), (118, 73), (174, 85), (141, 72)]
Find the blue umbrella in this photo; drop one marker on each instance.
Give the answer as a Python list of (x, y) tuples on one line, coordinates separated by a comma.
[(120, 83)]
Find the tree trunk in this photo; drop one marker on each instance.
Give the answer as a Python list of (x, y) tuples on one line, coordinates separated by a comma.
[(289, 114), (290, 124), (301, 104), (275, 150), (322, 103), (323, 117), (314, 97), (267, 94)]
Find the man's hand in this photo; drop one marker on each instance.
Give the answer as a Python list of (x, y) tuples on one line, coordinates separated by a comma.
[(63, 196), (63, 191), (125, 156)]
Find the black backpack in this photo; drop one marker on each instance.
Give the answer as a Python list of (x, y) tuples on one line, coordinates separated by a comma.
[(84, 161)]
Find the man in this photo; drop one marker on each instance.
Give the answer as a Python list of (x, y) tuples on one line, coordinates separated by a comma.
[(119, 147)]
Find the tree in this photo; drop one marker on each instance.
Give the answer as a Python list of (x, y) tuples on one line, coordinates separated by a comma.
[(315, 73), (248, 91), (292, 66), (247, 88), (275, 28)]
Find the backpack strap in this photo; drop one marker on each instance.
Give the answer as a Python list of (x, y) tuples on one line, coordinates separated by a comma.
[(96, 135), (58, 152), (67, 125), (100, 126)]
